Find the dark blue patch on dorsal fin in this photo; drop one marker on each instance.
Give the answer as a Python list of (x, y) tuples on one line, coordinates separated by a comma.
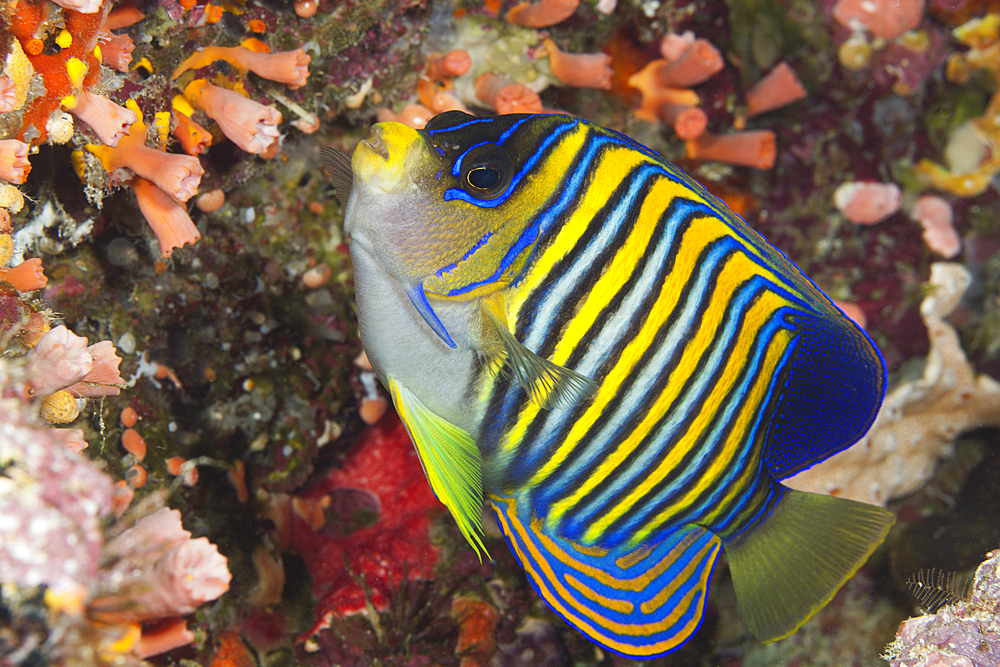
[(835, 382)]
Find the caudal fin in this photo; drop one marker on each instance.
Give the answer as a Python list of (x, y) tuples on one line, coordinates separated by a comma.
[(789, 567)]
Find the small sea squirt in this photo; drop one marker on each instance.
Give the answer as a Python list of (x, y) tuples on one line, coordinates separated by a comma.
[(576, 331)]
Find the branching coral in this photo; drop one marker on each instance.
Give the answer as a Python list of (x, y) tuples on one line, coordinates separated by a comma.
[(248, 124), (919, 419)]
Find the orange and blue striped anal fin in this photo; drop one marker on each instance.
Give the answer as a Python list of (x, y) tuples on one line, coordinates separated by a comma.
[(640, 603)]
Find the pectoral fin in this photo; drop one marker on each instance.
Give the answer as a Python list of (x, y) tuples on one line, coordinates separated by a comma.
[(547, 384), (419, 300), (451, 461)]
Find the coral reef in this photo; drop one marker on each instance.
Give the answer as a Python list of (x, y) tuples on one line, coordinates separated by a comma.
[(964, 632)]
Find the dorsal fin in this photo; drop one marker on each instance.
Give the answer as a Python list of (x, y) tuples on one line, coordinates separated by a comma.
[(547, 384), (338, 164)]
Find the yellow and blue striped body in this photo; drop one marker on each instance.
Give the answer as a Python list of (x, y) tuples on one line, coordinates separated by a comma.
[(714, 369)]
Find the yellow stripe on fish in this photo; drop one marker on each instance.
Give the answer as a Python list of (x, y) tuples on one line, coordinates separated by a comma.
[(624, 369)]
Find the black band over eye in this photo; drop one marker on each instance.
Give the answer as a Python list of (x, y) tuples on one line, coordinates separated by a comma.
[(487, 171)]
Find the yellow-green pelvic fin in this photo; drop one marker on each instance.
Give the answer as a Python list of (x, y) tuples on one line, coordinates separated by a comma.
[(451, 461), (794, 563), (547, 384)]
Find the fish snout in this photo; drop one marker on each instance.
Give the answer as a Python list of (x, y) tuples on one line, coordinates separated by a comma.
[(384, 158)]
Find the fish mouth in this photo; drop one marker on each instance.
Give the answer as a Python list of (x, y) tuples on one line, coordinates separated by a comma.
[(375, 143)]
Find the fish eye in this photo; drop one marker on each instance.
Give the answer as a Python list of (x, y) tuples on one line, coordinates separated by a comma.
[(486, 171)]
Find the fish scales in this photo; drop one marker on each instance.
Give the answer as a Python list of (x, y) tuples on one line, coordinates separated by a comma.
[(645, 369)]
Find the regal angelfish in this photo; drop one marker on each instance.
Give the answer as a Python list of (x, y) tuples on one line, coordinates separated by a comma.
[(573, 328)]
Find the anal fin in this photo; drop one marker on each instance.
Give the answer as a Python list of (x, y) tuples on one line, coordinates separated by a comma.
[(791, 565), (451, 461), (547, 384), (638, 602)]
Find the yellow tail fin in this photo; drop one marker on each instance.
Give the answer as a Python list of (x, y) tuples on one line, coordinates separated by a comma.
[(795, 561)]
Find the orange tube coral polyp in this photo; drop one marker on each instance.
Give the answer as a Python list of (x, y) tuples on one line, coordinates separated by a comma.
[(779, 87), (194, 139), (452, 64), (412, 115), (248, 124), (14, 165), (437, 98), (580, 70), (753, 148), (288, 67), (26, 276), (542, 14), (696, 65), (506, 96), (656, 96), (116, 52), (109, 121), (122, 17), (178, 175), (688, 122), (168, 219)]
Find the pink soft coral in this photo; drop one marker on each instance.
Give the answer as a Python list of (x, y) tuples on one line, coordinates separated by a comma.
[(248, 124), (63, 360), (160, 571), (58, 360), (103, 376)]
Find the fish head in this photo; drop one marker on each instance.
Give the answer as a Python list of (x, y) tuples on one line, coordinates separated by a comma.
[(449, 211)]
